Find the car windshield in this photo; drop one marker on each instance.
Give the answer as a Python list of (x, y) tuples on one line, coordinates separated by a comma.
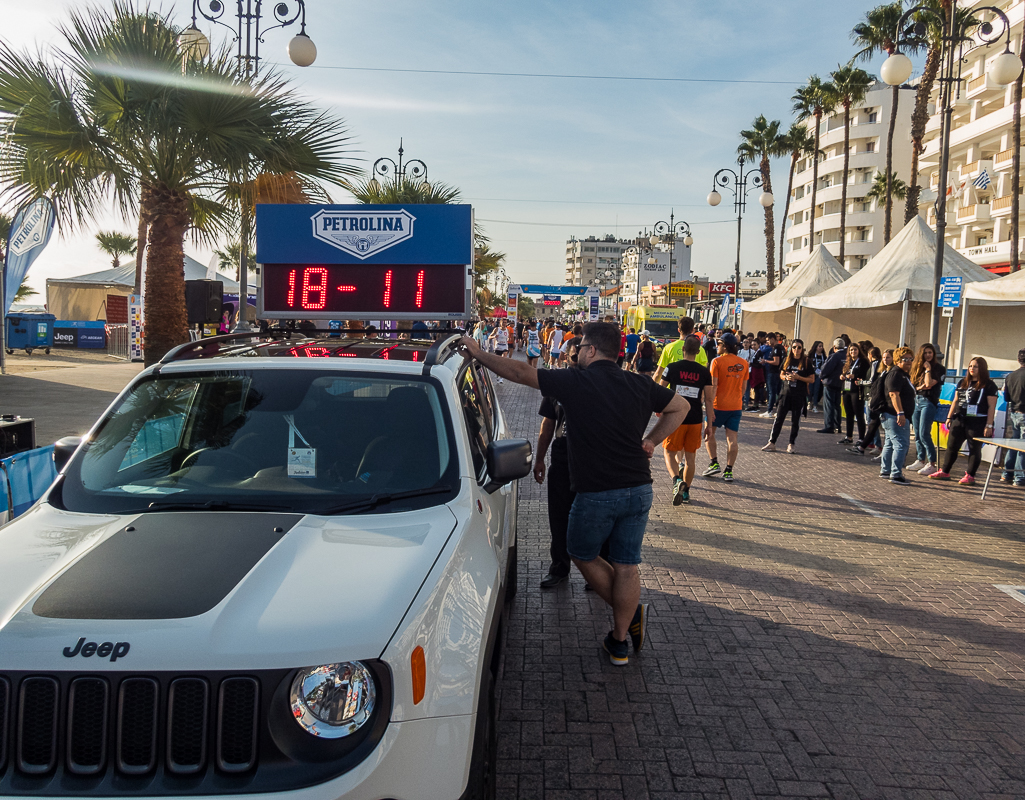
[(284, 440), (662, 328)]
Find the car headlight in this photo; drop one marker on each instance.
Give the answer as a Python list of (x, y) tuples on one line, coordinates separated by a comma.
[(333, 700)]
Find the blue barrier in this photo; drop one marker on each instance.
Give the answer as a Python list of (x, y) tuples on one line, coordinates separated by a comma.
[(24, 478)]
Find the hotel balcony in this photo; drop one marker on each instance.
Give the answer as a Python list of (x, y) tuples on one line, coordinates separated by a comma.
[(974, 168), (1004, 160), (977, 212), (979, 86), (1001, 206)]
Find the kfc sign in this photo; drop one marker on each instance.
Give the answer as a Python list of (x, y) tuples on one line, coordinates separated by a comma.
[(721, 288)]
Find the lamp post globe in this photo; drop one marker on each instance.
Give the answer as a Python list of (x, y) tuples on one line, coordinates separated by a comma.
[(688, 240), (302, 50), (194, 42), (896, 69), (652, 261), (714, 198), (653, 240), (426, 187), (765, 199), (1005, 68)]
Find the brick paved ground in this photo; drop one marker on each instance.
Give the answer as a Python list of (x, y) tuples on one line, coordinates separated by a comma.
[(799, 645)]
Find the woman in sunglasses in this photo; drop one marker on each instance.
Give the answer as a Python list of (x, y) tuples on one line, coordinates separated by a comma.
[(971, 415), (796, 375)]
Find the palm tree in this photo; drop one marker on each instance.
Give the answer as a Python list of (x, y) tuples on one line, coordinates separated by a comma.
[(849, 86), (117, 112), (24, 292), (402, 191), (228, 259), (800, 142), (115, 245), (877, 34), (883, 189), (812, 101), (762, 142)]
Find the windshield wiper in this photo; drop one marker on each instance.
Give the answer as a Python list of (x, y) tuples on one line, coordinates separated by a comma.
[(377, 500), (212, 505)]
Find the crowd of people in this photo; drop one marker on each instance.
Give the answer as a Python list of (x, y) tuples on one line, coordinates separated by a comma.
[(597, 403)]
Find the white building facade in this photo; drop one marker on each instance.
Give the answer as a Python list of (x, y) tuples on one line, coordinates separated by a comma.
[(585, 257), (865, 217), (635, 261), (981, 141)]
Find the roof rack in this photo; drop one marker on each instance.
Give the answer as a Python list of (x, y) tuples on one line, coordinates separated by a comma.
[(442, 347), (184, 351)]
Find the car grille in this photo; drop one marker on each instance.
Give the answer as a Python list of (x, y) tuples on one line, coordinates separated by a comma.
[(166, 734)]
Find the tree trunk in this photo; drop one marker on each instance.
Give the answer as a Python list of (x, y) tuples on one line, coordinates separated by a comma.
[(166, 320), (1016, 169), (888, 219), (919, 118), (770, 231), (843, 177), (814, 181), (144, 199), (786, 210)]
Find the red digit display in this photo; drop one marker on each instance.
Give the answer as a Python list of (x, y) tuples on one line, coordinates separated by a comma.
[(359, 291)]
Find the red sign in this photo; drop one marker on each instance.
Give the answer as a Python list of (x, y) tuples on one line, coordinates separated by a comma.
[(721, 288), (117, 309)]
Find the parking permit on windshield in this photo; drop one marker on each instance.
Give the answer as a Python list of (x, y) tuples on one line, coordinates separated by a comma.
[(302, 462)]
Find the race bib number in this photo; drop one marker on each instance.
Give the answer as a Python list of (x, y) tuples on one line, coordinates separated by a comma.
[(302, 462), (687, 391), (973, 410)]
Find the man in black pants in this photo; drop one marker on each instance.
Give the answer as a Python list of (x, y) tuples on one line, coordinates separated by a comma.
[(832, 387)]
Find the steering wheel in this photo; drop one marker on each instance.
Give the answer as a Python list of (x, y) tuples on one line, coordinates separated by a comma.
[(190, 459)]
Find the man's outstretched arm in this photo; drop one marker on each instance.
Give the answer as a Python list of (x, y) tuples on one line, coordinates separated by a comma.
[(516, 371)]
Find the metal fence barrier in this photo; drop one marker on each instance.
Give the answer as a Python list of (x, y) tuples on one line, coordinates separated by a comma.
[(117, 341)]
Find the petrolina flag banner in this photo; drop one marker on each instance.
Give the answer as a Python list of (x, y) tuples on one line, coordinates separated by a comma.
[(30, 233)]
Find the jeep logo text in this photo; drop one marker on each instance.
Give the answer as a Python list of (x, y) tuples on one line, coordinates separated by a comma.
[(86, 649)]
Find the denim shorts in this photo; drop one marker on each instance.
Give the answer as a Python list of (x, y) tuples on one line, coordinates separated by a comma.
[(618, 515), (728, 419)]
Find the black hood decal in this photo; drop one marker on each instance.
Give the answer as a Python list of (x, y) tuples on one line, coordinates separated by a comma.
[(164, 566)]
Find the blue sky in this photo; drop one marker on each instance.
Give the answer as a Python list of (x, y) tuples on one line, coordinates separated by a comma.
[(541, 159)]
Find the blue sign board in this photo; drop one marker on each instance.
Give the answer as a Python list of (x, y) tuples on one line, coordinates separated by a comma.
[(537, 288), (950, 292), (364, 234)]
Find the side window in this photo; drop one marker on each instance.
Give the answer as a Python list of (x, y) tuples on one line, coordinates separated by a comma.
[(163, 431), (487, 396), (475, 417)]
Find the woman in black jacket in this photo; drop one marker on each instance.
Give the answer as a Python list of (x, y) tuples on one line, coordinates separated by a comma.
[(855, 369), (796, 375)]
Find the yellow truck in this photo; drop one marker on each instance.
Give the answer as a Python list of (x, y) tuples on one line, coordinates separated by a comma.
[(659, 321)]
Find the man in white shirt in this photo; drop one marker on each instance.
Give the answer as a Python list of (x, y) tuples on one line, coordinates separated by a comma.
[(555, 345)]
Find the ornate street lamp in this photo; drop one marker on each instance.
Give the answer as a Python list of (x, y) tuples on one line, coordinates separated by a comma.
[(397, 171), (666, 233), (956, 42), (248, 36), (737, 182)]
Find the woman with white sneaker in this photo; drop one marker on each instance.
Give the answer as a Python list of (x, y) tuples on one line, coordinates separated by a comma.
[(927, 375), (796, 375)]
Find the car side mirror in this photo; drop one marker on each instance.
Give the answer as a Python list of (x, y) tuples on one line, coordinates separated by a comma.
[(508, 460), (64, 449)]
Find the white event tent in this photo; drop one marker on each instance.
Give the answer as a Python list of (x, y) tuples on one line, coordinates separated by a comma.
[(780, 309), (998, 333), (889, 301)]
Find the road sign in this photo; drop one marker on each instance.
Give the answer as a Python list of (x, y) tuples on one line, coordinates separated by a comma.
[(683, 290), (950, 292), (948, 311)]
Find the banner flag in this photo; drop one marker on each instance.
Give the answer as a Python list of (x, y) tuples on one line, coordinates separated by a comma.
[(31, 229)]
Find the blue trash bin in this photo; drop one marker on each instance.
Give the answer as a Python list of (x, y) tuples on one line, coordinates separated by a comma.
[(29, 332)]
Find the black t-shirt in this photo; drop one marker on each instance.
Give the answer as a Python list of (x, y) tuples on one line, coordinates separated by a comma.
[(688, 379), (798, 389), (779, 352), (1014, 390), (898, 382), (607, 411), (552, 409), (973, 404), (933, 394)]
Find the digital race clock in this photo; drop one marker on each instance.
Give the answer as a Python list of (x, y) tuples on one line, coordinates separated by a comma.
[(363, 291)]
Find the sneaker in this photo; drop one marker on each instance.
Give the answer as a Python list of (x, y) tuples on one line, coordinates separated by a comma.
[(856, 449), (900, 480), (1005, 478), (928, 470), (940, 475), (619, 652), (1019, 484), (713, 469), (967, 480), (679, 487), (639, 626), (846, 440), (552, 579), (791, 449), (884, 475), (765, 414), (917, 465), (685, 494), (825, 430), (770, 447), (727, 474)]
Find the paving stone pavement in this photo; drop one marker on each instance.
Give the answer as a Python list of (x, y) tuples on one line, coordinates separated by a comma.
[(815, 632)]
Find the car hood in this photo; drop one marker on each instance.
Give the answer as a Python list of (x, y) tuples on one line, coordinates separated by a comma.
[(208, 590)]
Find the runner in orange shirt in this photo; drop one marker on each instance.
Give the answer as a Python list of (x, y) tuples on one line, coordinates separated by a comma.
[(730, 373)]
